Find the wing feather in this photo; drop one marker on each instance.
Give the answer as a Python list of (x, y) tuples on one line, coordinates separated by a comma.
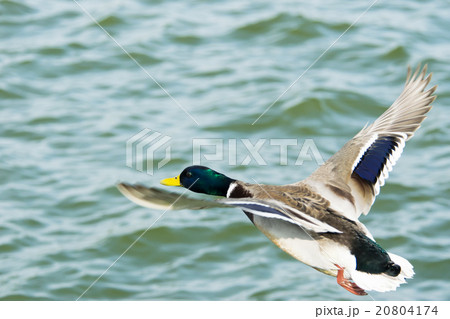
[(274, 209), (362, 165), (155, 198)]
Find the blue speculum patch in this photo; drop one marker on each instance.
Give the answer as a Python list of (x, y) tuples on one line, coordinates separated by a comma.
[(374, 159), (263, 209)]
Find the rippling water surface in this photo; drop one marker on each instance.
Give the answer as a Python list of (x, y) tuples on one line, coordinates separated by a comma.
[(71, 98)]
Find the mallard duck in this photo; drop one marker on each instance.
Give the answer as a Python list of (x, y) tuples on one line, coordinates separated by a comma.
[(316, 220)]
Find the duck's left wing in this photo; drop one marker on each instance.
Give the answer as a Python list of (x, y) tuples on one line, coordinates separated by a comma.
[(156, 198)]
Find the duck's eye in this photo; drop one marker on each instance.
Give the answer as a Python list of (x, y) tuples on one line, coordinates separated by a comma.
[(189, 174)]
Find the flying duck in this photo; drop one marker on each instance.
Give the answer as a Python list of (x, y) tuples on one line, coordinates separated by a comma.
[(316, 220)]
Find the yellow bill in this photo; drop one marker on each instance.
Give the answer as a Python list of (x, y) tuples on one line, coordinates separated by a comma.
[(174, 181)]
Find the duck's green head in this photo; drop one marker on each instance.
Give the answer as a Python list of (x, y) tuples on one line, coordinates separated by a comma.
[(201, 179)]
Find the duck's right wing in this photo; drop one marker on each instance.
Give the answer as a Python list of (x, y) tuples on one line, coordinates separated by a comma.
[(351, 178)]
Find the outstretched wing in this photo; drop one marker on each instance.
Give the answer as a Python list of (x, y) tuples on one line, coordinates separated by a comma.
[(351, 178), (156, 198), (161, 199)]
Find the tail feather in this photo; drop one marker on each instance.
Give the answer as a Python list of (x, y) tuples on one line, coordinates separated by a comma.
[(407, 268), (383, 282)]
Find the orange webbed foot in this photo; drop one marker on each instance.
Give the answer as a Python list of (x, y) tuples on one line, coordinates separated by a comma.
[(347, 284)]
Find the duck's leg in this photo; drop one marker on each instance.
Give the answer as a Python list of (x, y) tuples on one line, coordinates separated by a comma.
[(347, 284)]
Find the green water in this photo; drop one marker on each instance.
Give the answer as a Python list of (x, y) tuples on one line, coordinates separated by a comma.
[(71, 98)]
